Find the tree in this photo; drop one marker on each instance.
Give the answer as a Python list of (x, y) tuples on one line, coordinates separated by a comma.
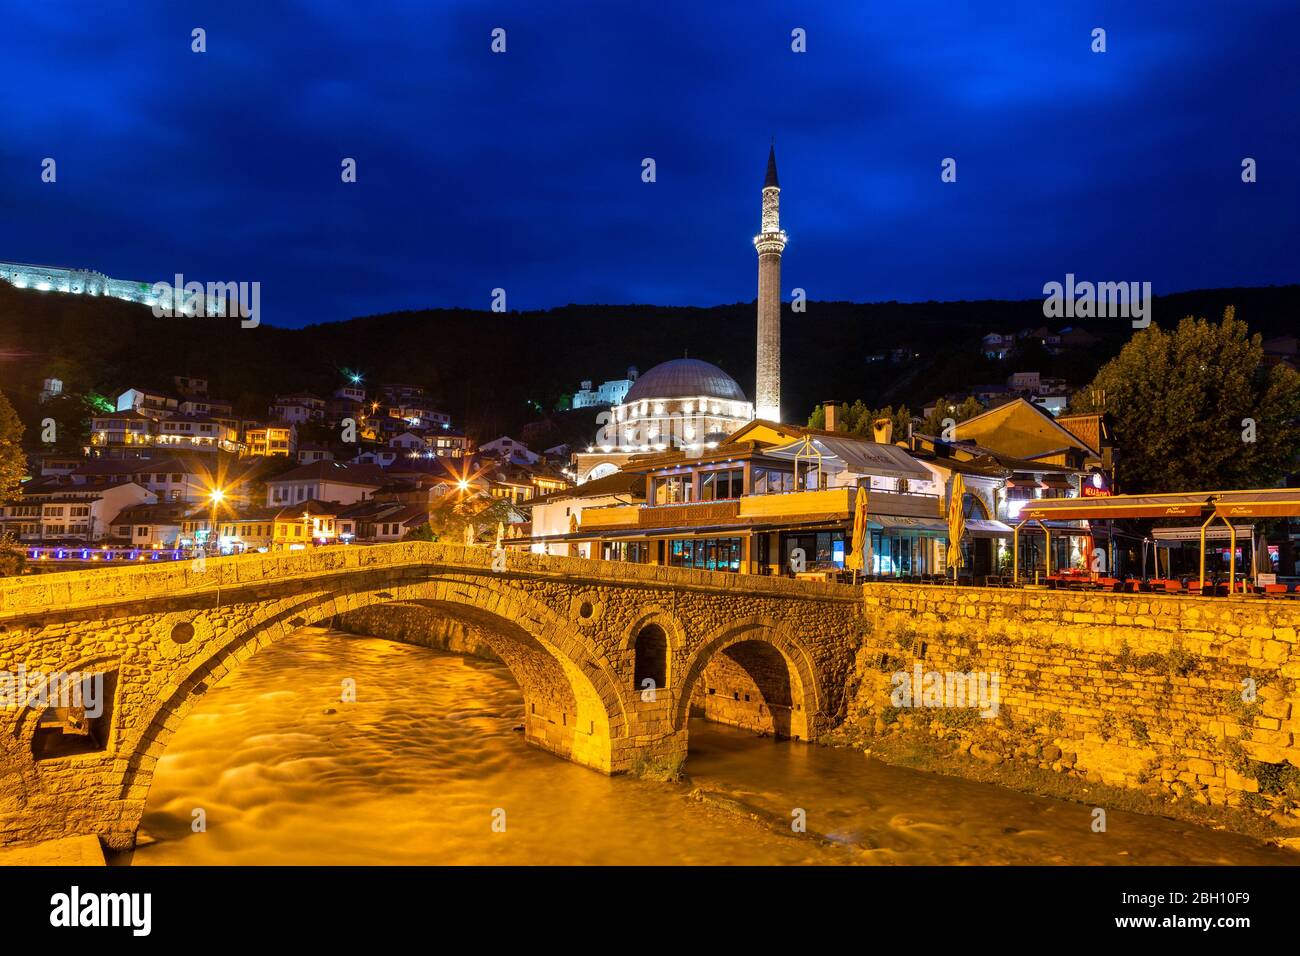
[(13, 468), (859, 420), (1193, 409), (13, 463), (448, 520), (944, 410), (420, 533)]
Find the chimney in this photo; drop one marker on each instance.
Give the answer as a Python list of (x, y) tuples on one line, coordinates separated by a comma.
[(883, 430), (831, 411)]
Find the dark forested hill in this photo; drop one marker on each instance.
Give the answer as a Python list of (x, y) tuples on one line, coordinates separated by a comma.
[(498, 372)]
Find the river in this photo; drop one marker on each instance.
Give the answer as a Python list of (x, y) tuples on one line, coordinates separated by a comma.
[(417, 770)]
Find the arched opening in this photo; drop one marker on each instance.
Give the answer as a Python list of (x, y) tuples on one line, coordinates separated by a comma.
[(563, 709), (978, 550), (750, 685), (603, 470), (651, 664), (752, 677)]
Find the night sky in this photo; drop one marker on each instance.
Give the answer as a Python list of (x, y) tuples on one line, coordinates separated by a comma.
[(523, 170)]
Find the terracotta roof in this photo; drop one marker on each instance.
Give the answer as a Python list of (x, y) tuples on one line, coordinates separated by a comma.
[(619, 483), (339, 472)]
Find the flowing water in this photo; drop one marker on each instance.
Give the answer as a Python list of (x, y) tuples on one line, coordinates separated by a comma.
[(419, 767)]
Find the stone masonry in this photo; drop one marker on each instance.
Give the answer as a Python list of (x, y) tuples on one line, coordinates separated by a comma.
[(161, 636), (1190, 696)]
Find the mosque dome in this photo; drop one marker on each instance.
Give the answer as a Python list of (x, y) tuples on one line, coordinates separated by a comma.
[(685, 378)]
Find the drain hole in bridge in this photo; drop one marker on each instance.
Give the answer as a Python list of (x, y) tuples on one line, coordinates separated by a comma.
[(298, 622), (585, 610), (384, 594), (183, 632)]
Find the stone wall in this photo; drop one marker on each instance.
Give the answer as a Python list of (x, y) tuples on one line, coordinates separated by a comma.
[(413, 624), (1130, 690)]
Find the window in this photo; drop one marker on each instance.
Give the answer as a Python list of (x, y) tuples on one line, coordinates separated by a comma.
[(720, 485), (674, 489), (709, 554), (772, 481), (634, 552)]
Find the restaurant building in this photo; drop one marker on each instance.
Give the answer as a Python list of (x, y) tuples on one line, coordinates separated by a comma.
[(767, 499)]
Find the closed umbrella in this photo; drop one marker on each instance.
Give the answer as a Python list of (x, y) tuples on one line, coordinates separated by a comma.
[(856, 559), (956, 523), (1260, 563)]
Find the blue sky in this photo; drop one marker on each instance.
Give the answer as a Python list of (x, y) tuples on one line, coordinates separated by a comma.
[(523, 170)]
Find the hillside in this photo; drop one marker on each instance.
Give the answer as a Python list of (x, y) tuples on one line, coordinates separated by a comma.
[(500, 372)]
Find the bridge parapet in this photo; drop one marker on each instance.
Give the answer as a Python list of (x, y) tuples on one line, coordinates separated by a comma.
[(105, 586)]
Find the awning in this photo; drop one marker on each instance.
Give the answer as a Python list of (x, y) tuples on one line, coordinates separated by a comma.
[(1079, 529), (985, 528), (1214, 531), (1264, 503), (904, 523), (1119, 506), (858, 456)]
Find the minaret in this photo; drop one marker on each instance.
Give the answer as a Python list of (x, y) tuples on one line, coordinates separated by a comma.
[(769, 243)]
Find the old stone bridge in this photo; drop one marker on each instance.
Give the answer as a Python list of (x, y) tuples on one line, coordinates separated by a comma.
[(586, 640)]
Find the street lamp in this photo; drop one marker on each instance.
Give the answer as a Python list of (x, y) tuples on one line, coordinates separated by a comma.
[(216, 496)]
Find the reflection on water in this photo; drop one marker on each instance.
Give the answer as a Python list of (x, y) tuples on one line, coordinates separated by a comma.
[(414, 770)]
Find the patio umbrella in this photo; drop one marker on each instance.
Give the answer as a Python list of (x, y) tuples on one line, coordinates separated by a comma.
[(1145, 544), (1259, 560), (857, 556), (501, 533), (956, 522)]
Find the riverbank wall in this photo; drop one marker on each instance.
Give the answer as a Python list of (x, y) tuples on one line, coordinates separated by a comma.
[(1191, 698)]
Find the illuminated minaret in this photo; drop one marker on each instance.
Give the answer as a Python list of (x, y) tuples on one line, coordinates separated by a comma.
[(769, 243)]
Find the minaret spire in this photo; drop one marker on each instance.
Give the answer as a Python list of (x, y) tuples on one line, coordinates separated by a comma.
[(769, 244)]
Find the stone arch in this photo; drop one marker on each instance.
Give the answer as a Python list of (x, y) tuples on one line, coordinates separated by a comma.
[(541, 646), (603, 470), (974, 506), (674, 636), (650, 658), (24, 727), (785, 698)]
